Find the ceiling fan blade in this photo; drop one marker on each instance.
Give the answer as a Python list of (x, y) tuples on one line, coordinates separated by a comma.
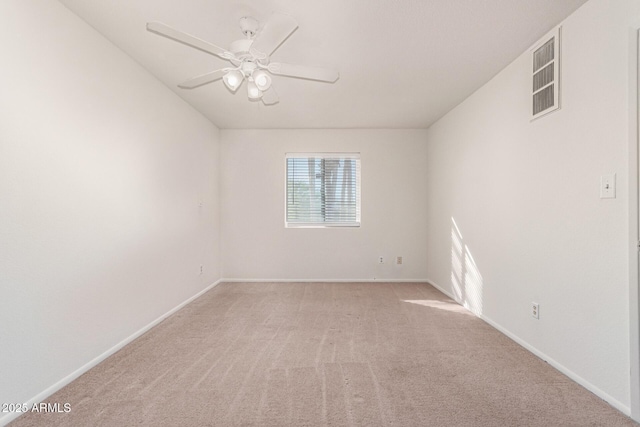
[(275, 31), (188, 39), (304, 72), (270, 97), (203, 79)]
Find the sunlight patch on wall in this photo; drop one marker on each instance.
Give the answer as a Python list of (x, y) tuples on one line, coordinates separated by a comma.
[(466, 280)]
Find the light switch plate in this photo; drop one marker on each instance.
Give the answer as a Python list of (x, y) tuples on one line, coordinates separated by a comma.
[(608, 186)]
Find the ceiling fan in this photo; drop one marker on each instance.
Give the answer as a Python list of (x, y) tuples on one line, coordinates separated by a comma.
[(250, 57)]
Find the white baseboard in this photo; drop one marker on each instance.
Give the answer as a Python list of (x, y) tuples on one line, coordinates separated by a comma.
[(563, 369), (8, 417), (327, 280)]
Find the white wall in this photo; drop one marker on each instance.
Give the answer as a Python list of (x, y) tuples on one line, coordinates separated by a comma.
[(258, 246), (525, 198), (102, 169)]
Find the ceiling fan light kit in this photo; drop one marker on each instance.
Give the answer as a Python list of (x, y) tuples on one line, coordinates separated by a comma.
[(253, 91), (250, 57), (262, 79), (233, 79)]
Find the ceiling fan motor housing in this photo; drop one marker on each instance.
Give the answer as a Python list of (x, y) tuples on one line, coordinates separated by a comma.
[(240, 47)]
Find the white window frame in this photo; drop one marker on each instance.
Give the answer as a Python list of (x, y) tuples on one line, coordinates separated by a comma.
[(300, 155)]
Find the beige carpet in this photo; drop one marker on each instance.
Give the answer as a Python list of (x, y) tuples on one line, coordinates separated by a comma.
[(338, 354)]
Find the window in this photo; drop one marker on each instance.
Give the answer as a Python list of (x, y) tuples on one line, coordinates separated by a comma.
[(323, 190)]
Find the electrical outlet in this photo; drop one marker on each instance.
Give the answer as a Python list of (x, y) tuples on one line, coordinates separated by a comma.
[(381, 260), (535, 310), (399, 260)]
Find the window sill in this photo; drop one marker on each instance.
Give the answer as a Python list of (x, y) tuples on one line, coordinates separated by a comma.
[(301, 225)]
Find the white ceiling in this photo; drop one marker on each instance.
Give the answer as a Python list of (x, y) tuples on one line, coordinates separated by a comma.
[(402, 63)]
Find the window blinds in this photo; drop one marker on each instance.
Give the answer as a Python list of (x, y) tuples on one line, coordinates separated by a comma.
[(323, 189)]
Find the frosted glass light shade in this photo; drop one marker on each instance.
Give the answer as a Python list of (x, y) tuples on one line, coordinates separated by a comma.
[(253, 91), (233, 79), (262, 80)]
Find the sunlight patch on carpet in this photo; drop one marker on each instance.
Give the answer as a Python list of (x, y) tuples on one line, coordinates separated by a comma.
[(440, 305)]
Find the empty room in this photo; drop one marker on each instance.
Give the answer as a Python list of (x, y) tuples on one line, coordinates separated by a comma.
[(319, 213)]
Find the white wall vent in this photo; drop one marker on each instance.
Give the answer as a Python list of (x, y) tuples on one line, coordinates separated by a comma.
[(545, 62)]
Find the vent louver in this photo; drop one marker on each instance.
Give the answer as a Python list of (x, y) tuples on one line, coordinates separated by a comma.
[(545, 59)]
